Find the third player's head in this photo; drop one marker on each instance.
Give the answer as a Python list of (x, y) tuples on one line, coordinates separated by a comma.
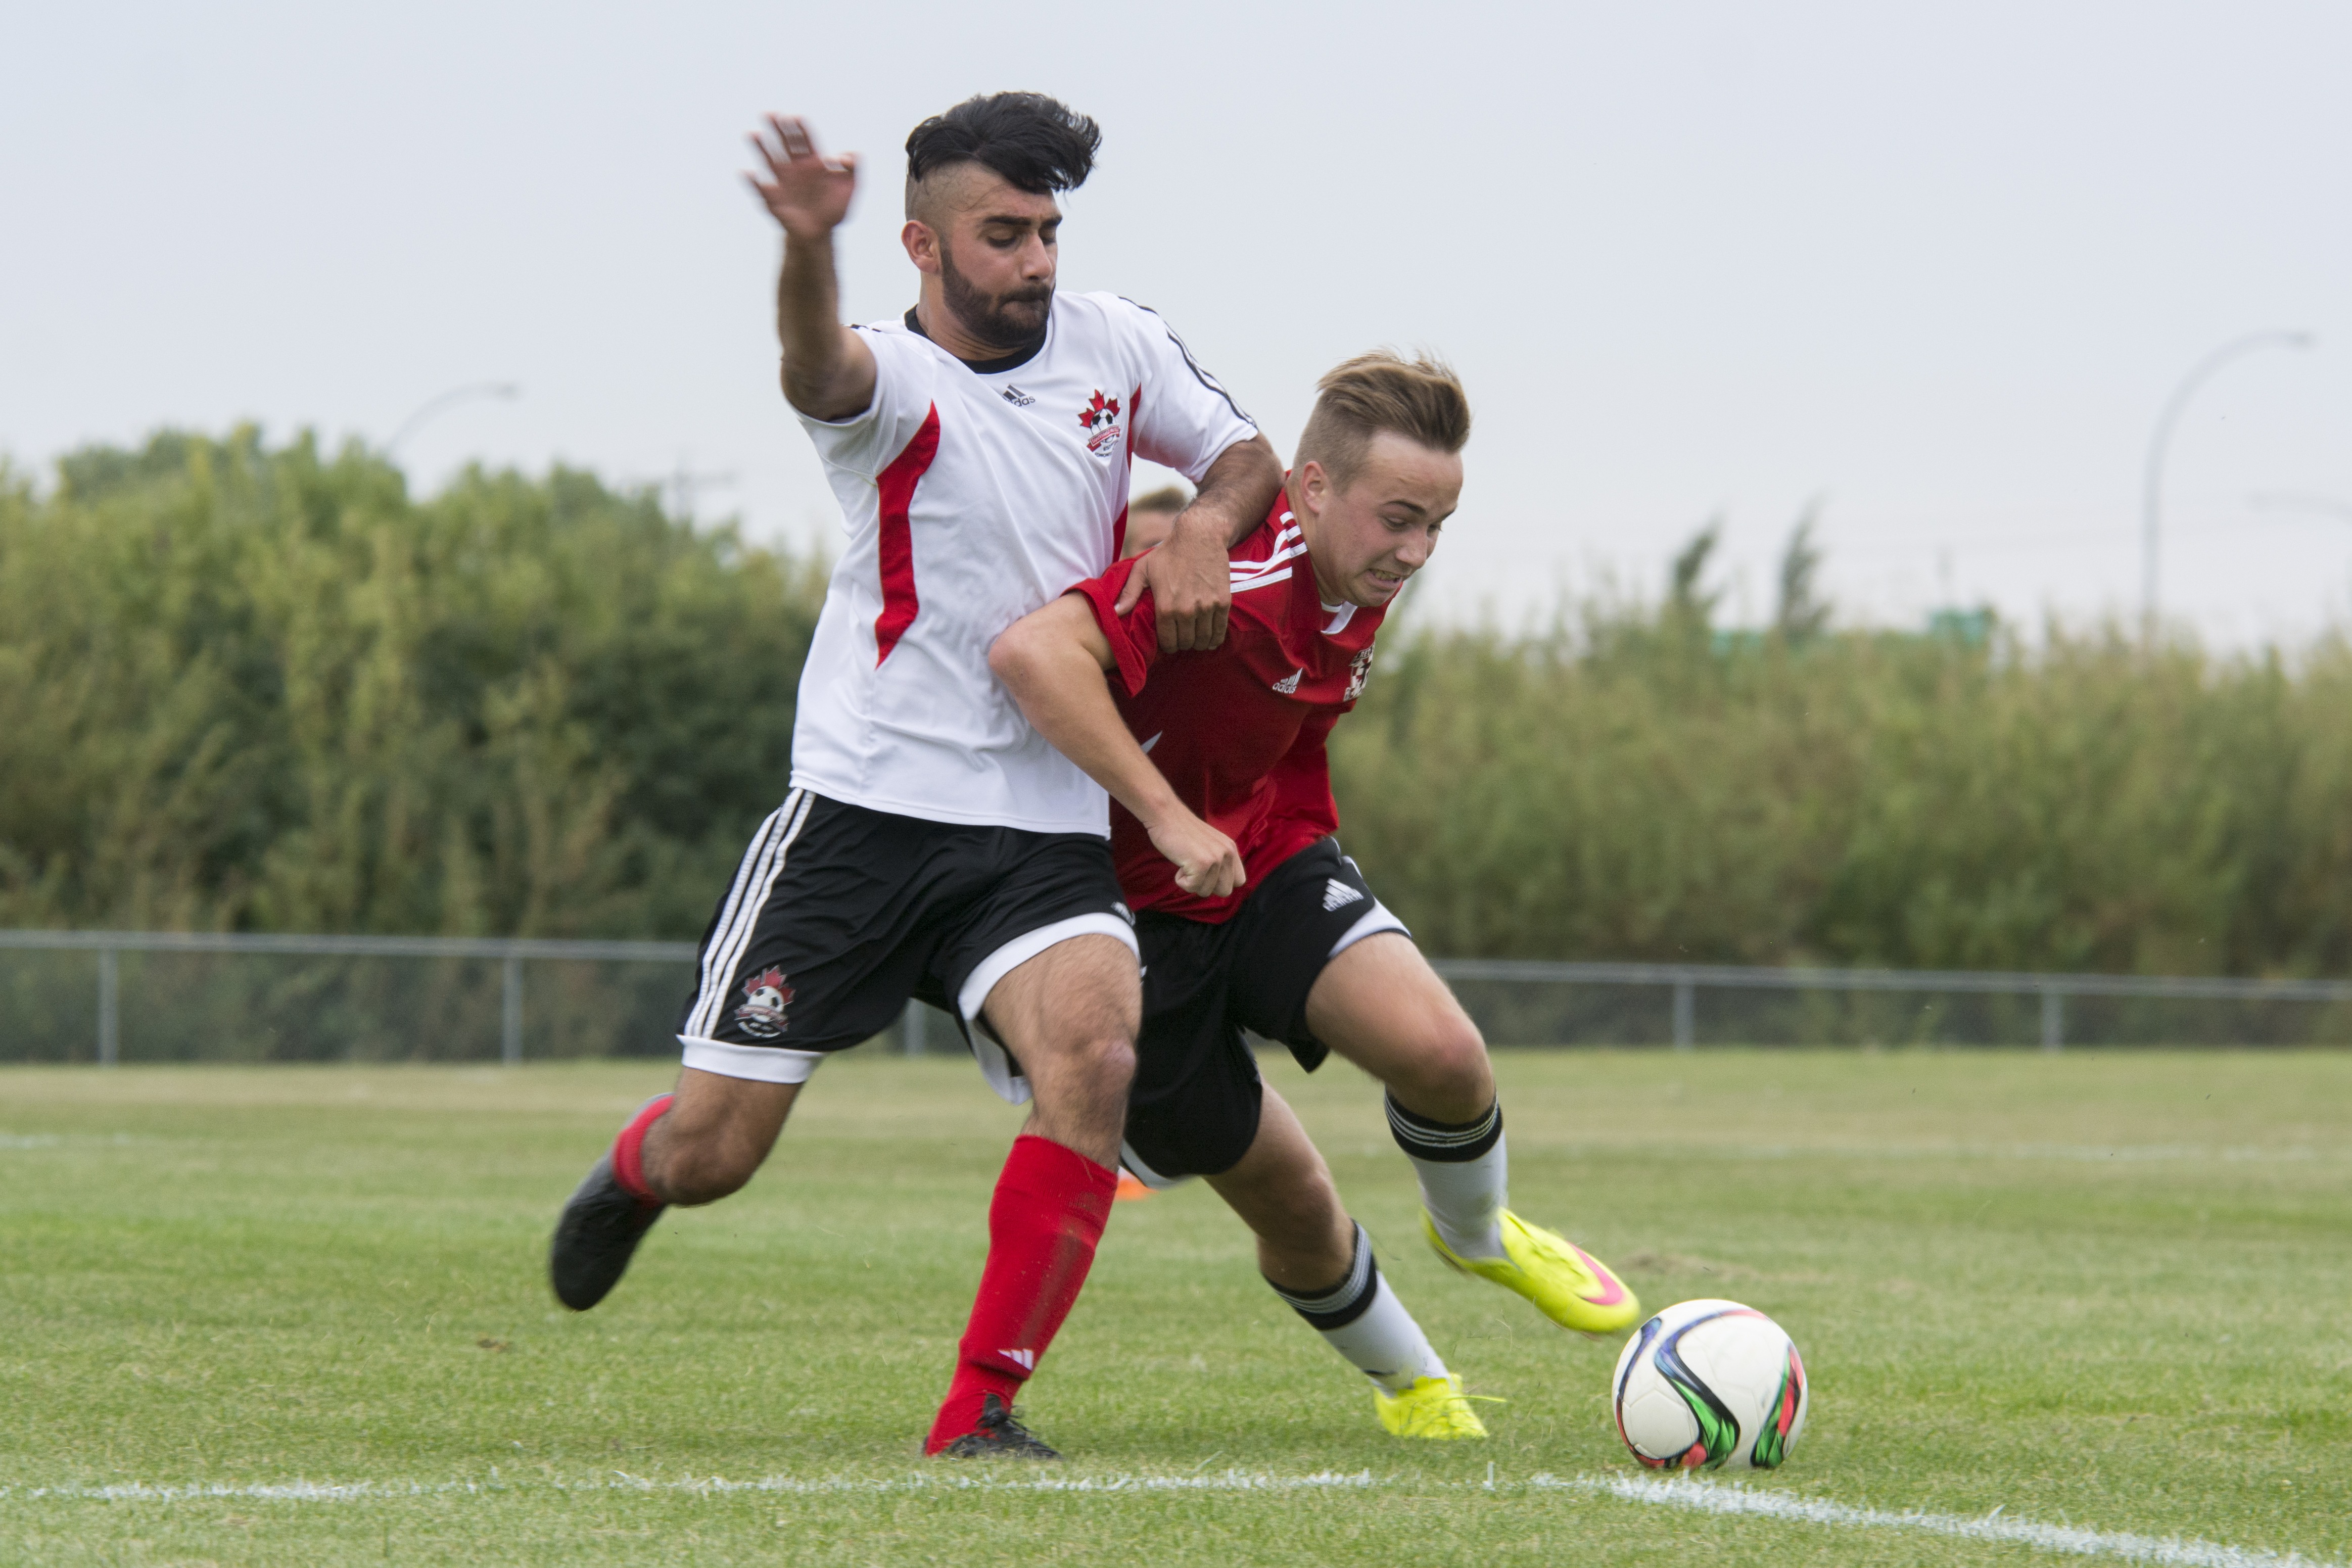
[(1379, 471), (980, 215)]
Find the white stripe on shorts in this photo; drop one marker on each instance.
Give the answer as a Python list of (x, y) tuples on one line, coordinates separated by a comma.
[(763, 863), (760, 1063), (995, 1062), (1375, 920)]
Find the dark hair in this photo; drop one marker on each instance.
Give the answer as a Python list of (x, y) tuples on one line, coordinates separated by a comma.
[(1420, 399), (1038, 144)]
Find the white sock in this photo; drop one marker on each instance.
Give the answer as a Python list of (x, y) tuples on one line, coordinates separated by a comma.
[(1363, 1321), (1465, 1176)]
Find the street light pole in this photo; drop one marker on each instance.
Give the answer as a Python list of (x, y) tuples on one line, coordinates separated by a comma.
[(506, 392), (2152, 483)]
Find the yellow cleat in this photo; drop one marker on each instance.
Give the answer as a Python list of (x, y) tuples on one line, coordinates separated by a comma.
[(1568, 1284), (1432, 1407)]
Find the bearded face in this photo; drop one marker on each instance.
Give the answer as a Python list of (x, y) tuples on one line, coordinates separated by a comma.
[(1010, 321)]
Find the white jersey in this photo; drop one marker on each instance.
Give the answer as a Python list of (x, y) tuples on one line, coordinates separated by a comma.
[(974, 494)]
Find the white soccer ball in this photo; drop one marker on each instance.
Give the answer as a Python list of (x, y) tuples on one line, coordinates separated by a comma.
[(1708, 1383)]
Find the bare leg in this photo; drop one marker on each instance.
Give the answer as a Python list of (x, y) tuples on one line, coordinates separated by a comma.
[(1380, 1005), (715, 1134), (1318, 1260), (1282, 1191), (1070, 1015)]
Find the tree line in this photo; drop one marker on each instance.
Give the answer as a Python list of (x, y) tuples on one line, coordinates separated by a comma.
[(246, 688)]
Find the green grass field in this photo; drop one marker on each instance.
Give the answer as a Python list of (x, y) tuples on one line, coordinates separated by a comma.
[(298, 1315)]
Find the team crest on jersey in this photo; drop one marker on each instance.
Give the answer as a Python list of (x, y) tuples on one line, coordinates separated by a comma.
[(1358, 673), (1101, 419), (765, 997)]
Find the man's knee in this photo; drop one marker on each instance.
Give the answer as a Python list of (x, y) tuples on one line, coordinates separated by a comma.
[(1110, 1059), (1450, 1066)]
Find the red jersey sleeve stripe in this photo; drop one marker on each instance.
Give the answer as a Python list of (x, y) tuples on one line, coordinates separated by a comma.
[(897, 544)]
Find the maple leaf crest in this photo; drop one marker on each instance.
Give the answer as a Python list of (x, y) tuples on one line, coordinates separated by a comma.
[(769, 980), (1102, 411)]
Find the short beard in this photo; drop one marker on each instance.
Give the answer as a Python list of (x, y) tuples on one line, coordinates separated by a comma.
[(1010, 322)]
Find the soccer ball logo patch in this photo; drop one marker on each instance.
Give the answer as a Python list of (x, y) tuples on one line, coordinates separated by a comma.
[(1101, 420), (765, 997)]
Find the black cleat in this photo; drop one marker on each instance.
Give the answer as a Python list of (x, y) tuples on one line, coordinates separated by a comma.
[(599, 1229), (998, 1436)]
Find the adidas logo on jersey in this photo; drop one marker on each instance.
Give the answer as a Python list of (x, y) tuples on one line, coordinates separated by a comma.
[(1016, 397), (1289, 683), (1338, 894)]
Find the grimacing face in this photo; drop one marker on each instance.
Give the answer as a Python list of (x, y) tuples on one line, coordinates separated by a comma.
[(1368, 540), (996, 250)]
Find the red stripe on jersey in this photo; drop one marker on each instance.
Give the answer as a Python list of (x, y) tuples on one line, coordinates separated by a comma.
[(1118, 528), (897, 544)]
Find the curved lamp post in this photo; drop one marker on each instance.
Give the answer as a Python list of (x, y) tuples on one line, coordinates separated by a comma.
[(2152, 490), (506, 392)]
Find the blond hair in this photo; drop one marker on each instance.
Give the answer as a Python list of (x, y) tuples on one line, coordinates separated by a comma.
[(1420, 399)]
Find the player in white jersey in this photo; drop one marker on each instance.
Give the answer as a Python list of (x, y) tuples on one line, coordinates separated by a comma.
[(933, 845)]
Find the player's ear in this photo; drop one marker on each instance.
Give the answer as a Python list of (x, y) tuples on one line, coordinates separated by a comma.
[(1314, 486), (922, 243)]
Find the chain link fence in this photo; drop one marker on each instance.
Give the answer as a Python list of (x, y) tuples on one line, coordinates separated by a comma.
[(110, 995)]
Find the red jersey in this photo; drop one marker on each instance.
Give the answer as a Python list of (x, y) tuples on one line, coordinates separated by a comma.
[(1237, 731)]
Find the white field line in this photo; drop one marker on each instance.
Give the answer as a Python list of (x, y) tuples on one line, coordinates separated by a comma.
[(1696, 1496), (1707, 1497), (2074, 1154)]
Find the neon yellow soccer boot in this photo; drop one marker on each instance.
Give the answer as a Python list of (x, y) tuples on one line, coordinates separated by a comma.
[(1432, 1407), (1568, 1284)]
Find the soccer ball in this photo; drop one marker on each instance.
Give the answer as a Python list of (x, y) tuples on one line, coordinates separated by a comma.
[(1708, 1383)]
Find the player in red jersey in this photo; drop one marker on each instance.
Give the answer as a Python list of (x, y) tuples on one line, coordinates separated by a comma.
[(1250, 917)]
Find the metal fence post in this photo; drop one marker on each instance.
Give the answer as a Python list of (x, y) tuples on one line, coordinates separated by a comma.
[(2053, 1020), (510, 1014), (1686, 1007), (110, 1009), (910, 1029)]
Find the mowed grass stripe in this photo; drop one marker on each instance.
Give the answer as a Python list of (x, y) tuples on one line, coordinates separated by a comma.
[(1687, 1493), (249, 1277)]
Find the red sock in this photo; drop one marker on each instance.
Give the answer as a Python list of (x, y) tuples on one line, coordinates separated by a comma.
[(1049, 1210), (629, 1149)]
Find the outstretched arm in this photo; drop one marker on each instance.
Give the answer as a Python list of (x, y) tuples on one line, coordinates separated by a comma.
[(1052, 660), (829, 373), (1187, 577)]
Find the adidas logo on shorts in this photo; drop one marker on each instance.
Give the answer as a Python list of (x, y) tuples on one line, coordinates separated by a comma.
[(1338, 894)]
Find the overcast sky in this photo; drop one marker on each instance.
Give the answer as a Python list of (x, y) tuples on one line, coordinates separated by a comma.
[(1938, 268)]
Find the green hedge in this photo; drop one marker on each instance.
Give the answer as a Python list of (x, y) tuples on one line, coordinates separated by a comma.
[(253, 688), (246, 688), (1630, 786)]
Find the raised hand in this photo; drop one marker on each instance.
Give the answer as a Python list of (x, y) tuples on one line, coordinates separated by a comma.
[(806, 191)]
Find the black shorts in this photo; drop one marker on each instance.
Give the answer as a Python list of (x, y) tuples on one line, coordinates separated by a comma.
[(1194, 1107), (839, 914)]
